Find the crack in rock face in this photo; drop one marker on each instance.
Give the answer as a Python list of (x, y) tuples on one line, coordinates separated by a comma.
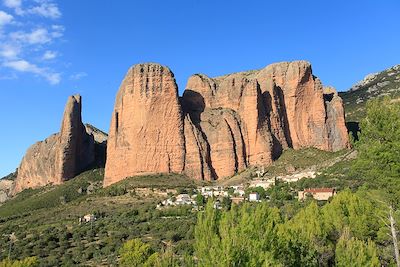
[(219, 126)]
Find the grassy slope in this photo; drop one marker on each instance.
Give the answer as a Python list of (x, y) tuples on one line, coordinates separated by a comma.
[(297, 160), (46, 220), (51, 196)]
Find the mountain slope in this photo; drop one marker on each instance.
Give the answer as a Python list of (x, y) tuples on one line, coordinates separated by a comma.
[(385, 83), (46, 220)]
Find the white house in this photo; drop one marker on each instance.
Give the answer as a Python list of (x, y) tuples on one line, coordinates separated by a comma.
[(238, 190), (210, 191), (183, 199), (255, 197), (87, 218)]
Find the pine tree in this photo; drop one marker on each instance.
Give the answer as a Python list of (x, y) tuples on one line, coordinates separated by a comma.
[(207, 245), (351, 251), (27, 262), (136, 253), (379, 145)]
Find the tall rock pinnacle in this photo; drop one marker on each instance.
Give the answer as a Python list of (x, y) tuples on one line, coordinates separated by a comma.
[(61, 156)]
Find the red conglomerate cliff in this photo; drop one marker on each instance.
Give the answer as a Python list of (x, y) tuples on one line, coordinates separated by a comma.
[(61, 156), (220, 125)]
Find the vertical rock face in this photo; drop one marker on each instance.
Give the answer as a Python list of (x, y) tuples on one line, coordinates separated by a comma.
[(335, 120), (61, 156), (231, 113), (197, 152), (300, 116), (100, 145), (220, 125), (76, 146), (146, 133)]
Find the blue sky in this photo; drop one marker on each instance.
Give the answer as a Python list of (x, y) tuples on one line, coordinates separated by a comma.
[(51, 49)]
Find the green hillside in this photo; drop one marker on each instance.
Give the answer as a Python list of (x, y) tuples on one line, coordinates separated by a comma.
[(45, 221), (385, 83)]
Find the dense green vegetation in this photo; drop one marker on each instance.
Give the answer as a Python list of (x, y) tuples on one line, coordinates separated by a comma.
[(27, 262), (349, 230), (379, 147), (157, 181), (385, 83), (52, 196), (257, 235), (51, 230)]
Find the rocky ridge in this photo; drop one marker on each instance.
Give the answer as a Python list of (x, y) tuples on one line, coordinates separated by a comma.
[(61, 156), (380, 84), (220, 125)]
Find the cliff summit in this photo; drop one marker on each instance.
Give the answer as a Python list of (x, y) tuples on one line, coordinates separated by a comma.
[(220, 125)]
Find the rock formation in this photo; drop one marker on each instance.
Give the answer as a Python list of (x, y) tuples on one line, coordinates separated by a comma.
[(5, 189), (100, 145), (146, 133), (221, 125), (61, 156)]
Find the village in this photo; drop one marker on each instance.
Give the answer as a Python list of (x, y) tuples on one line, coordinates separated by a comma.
[(254, 191), (257, 189)]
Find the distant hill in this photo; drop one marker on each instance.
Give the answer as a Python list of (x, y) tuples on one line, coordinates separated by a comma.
[(99, 136), (10, 176), (385, 83), (6, 184)]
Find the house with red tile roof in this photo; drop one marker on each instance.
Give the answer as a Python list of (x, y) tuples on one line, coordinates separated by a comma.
[(317, 193)]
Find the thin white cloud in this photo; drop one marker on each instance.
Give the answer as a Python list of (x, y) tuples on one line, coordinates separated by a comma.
[(9, 51), (78, 76), (5, 18), (22, 65), (47, 10), (29, 44), (37, 36), (57, 31), (48, 55), (12, 3), (53, 78), (25, 66)]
